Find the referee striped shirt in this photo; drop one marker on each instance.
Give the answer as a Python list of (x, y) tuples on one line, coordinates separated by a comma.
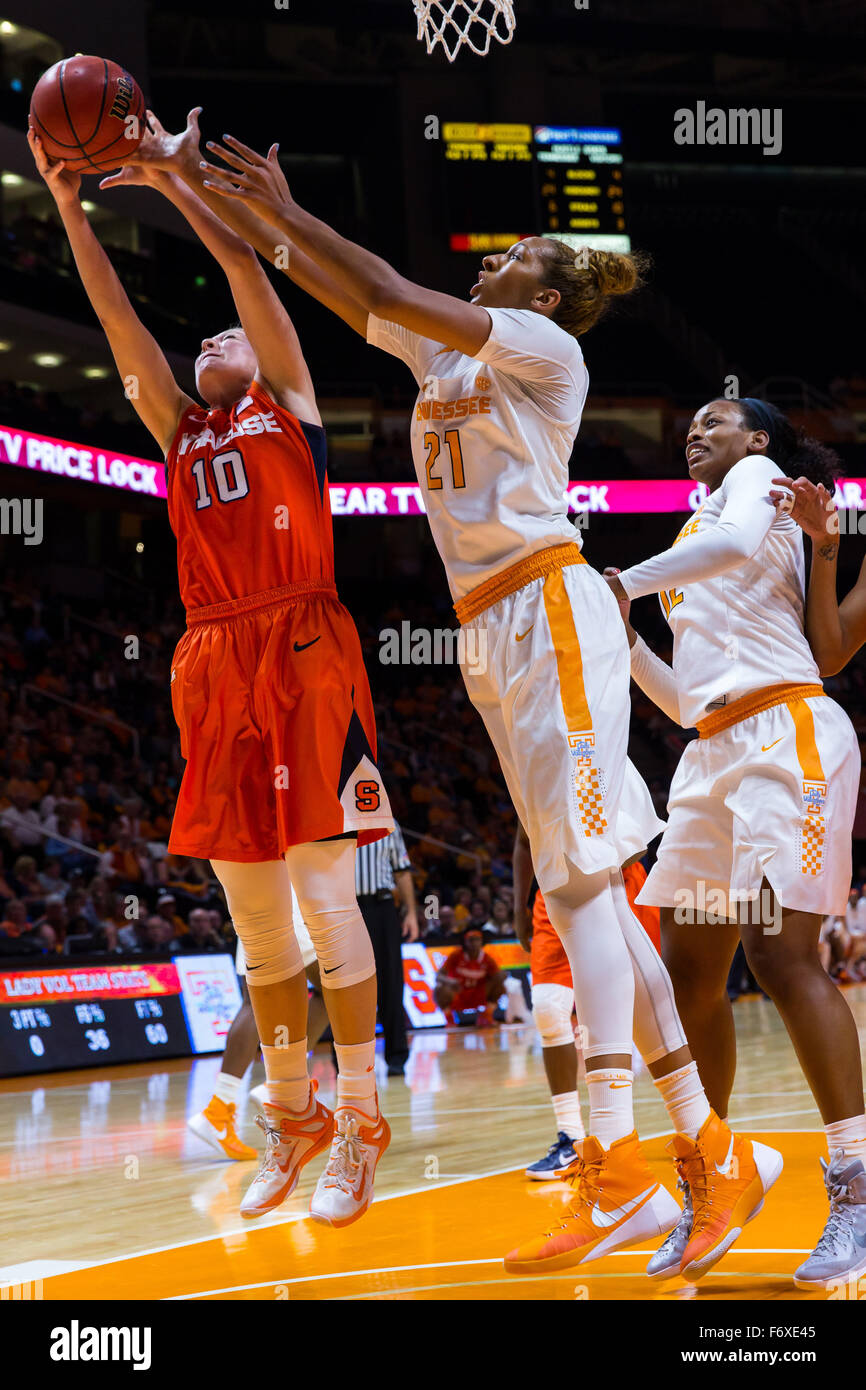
[(376, 864)]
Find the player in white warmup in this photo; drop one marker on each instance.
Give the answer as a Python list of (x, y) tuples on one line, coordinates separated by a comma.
[(761, 808), (502, 385)]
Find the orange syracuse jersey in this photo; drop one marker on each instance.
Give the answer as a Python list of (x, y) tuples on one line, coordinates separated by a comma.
[(248, 501)]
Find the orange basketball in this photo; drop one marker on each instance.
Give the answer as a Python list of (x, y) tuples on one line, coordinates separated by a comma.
[(89, 112)]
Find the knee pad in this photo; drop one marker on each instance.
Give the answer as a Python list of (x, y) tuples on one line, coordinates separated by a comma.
[(259, 901), (271, 952), (323, 877), (552, 1006), (342, 942)]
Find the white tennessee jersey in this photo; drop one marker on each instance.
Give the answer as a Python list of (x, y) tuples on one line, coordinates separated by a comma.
[(740, 628), (491, 439)]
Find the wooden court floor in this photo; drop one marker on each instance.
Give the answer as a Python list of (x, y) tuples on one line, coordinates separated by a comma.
[(105, 1194)]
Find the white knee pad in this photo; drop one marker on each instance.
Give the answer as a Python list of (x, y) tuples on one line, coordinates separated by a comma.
[(552, 1006), (323, 875), (259, 899)]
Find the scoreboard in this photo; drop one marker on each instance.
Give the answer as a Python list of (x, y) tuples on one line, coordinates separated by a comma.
[(88, 1015), (508, 181)]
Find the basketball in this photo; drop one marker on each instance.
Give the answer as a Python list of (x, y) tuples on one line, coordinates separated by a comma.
[(89, 112)]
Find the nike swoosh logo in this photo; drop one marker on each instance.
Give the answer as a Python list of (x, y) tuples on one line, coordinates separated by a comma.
[(326, 971), (302, 646), (765, 747), (610, 1218), (520, 635), (724, 1168), (619, 1085)]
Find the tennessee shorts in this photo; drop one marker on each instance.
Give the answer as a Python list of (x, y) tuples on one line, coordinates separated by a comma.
[(773, 797), (547, 667), (276, 725), (302, 936)]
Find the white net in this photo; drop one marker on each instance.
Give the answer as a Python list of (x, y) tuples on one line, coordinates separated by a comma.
[(471, 22)]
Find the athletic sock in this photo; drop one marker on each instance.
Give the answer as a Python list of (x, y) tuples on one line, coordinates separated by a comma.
[(356, 1076), (228, 1088), (685, 1099), (288, 1082), (569, 1120), (849, 1135), (610, 1104)]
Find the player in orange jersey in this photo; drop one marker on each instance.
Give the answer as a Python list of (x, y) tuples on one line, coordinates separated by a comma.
[(268, 688)]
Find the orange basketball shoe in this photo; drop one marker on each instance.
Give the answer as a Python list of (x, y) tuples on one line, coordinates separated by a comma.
[(293, 1139), (216, 1126), (728, 1176), (617, 1202), (345, 1189)]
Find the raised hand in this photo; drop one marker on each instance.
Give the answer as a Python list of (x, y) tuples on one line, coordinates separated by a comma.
[(160, 152), (63, 184), (813, 508), (256, 181)]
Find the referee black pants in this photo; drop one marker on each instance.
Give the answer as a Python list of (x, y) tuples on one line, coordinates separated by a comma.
[(383, 925)]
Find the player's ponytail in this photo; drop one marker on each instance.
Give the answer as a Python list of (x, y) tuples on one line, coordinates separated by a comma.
[(587, 282), (796, 452)]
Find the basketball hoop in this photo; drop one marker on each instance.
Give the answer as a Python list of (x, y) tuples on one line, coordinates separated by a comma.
[(473, 22)]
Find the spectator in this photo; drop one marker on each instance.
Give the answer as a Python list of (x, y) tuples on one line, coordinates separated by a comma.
[(200, 936), (469, 979), (21, 823)]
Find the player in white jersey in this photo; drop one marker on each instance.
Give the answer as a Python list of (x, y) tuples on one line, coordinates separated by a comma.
[(502, 385), (758, 843)]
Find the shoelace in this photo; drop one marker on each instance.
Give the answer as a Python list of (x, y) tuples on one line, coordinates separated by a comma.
[(833, 1240), (346, 1155), (672, 1239), (701, 1175), (273, 1138), (584, 1179)]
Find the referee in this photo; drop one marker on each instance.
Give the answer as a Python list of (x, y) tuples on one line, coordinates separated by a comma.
[(380, 868)]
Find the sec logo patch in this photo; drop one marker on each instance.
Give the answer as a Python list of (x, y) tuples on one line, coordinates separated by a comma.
[(483, 383)]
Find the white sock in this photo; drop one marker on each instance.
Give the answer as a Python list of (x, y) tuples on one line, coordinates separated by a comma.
[(849, 1135), (685, 1099), (356, 1076), (569, 1120), (228, 1087), (610, 1104), (288, 1081)]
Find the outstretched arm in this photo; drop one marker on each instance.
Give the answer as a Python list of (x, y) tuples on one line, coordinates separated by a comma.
[(835, 630), (148, 379), (180, 155), (259, 183)]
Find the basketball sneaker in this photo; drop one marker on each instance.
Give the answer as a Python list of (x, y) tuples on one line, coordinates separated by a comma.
[(840, 1255), (728, 1176), (559, 1156), (665, 1263), (293, 1138), (617, 1203), (345, 1189), (216, 1126)]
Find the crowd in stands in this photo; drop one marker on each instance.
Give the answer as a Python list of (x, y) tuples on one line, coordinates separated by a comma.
[(90, 769)]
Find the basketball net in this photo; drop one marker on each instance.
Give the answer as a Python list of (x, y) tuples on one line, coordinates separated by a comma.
[(473, 22)]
